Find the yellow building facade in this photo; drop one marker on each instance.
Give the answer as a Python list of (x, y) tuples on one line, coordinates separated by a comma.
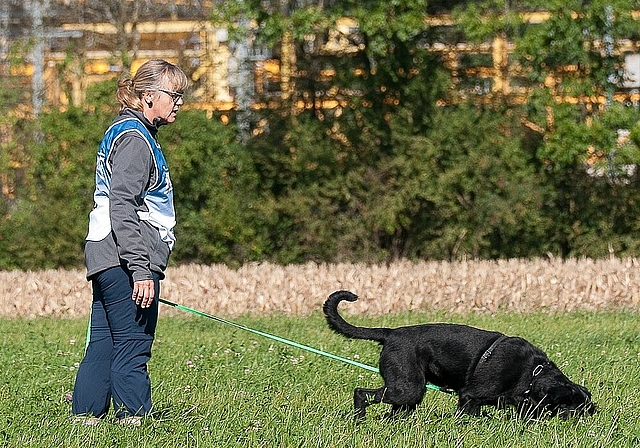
[(206, 55)]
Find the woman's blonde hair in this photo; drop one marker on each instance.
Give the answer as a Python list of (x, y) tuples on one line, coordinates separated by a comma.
[(152, 75)]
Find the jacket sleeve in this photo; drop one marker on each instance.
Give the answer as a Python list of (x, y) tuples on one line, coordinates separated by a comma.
[(131, 163)]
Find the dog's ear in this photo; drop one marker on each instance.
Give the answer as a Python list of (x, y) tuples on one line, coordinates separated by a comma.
[(569, 393), (541, 396), (562, 393)]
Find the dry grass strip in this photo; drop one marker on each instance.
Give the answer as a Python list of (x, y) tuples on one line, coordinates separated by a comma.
[(458, 287)]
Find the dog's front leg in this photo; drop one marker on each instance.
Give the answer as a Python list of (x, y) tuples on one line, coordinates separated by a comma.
[(468, 405), (364, 397)]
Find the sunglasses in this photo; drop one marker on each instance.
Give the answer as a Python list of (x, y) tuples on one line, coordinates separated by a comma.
[(175, 96)]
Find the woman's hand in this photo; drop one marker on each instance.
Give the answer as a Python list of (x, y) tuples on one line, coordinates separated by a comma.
[(143, 293)]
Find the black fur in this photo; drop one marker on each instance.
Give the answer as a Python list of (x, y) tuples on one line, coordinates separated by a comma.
[(482, 367)]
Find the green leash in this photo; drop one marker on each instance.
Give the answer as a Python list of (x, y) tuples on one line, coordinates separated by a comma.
[(288, 342)]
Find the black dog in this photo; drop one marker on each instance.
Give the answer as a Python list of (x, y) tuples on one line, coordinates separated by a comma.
[(482, 367)]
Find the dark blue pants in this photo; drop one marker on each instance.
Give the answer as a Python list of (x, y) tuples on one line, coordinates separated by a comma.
[(114, 366)]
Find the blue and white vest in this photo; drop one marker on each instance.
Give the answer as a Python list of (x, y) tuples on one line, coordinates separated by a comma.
[(158, 198)]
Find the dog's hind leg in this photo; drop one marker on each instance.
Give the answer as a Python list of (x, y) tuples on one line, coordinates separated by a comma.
[(398, 409), (403, 398), (365, 397)]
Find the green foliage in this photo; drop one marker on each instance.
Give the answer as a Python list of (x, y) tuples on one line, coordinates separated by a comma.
[(591, 172), (400, 165), (46, 223), (482, 21), (12, 93), (386, 24), (302, 173), (216, 190), (101, 95), (457, 193), (550, 49), (49, 167), (589, 189), (217, 386), (272, 19)]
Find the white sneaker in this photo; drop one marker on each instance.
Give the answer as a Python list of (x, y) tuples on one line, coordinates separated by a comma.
[(84, 420), (130, 421)]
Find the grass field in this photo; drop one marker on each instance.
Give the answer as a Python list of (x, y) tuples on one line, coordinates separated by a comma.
[(216, 386)]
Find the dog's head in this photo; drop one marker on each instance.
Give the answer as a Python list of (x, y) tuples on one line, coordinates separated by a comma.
[(552, 393)]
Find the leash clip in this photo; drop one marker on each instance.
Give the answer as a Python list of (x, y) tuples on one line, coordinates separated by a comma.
[(538, 370)]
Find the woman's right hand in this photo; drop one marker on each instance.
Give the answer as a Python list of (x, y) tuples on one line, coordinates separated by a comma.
[(143, 293)]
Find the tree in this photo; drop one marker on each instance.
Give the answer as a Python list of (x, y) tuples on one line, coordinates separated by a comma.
[(217, 195), (574, 107), (467, 189), (318, 151), (47, 222), (570, 104)]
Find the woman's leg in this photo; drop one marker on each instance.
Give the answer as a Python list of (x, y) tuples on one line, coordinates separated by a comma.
[(132, 330), (92, 390)]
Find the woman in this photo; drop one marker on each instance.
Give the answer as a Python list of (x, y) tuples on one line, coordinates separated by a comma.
[(128, 245)]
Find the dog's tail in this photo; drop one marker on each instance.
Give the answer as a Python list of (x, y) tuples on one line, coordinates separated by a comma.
[(339, 325)]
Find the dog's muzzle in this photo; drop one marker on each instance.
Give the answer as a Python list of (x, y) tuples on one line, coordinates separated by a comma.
[(563, 399)]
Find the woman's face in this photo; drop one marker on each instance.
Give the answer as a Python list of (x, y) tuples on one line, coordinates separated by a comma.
[(161, 106)]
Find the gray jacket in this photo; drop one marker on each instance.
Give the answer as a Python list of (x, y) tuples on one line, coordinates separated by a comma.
[(131, 242)]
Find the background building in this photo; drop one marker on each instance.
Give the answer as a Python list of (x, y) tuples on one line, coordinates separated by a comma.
[(52, 50)]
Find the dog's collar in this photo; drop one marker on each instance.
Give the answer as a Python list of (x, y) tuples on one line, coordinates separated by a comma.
[(487, 354)]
